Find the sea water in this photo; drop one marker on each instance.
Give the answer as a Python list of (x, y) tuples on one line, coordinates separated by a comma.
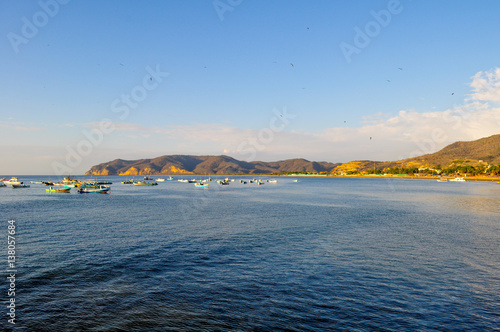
[(320, 254)]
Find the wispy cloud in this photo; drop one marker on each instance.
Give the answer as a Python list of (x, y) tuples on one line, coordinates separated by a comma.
[(19, 126), (486, 86)]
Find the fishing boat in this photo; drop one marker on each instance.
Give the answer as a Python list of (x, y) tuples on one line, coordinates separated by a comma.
[(170, 178), (69, 180), (13, 181), (100, 190), (144, 183), (183, 180), (48, 183), (147, 178), (21, 185), (201, 185), (458, 179), (192, 181), (57, 190), (160, 180), (36, 182), (273, 181), (128, 182)]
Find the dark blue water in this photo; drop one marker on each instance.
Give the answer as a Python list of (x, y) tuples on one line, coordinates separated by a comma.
[(322, 254)]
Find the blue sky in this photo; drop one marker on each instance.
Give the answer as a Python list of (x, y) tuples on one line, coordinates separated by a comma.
[(256, 80)]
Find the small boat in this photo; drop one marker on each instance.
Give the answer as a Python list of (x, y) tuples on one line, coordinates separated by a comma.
[(69, 180), (458, 179), (48, 183), (442, 180), (144, 183), (57, 190), (201, 185), (182, 180), (20, 185), (295, 180), (36, 182), (128, 182), (13, 181), (223, 182), (147, 178), (192, 181), (273, 181), (100, 190), (160, 180), (170, 178)]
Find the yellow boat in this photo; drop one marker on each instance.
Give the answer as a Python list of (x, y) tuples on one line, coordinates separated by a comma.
[(57, 190)]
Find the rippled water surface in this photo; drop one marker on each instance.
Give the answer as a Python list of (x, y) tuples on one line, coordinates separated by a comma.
[(321, 254)]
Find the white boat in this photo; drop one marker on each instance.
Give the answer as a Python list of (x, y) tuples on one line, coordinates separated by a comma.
[(273, 181), (13, 181), (458, 179), (160, 180)]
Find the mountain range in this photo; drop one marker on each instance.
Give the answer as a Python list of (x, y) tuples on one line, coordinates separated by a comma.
[(484, 150)]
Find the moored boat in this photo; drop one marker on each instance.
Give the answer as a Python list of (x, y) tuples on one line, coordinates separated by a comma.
[(57, 190), (144, 183), (458, 179), (12, 181), (201, 185), (160, 180), (21, 185), (99, 190)]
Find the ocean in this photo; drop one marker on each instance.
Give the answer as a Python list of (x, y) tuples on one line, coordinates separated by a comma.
[(320, 254)]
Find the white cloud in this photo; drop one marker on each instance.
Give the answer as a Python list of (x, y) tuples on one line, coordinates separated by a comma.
[(486, 86)]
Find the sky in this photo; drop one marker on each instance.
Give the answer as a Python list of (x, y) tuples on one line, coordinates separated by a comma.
[(86, 82)]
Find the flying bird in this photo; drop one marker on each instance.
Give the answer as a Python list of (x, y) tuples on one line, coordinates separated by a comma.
[(388, 80), (452, 93), (370, 137), (400, 68), (291, 64), (121, 64)]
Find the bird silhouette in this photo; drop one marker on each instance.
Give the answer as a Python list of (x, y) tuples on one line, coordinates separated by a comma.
[(452, 93), (291, 64), (400, 68)]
